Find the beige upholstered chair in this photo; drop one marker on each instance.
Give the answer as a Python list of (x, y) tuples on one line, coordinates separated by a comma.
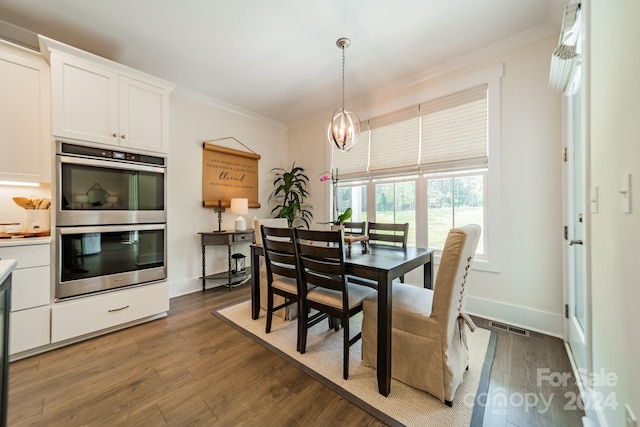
[(321, 264), (428, 341), (290, 311)]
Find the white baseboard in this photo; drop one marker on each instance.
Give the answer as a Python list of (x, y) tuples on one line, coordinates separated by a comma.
[(189, 286), (523, 317)]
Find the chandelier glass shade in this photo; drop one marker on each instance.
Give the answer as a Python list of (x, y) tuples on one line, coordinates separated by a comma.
[(344, 128)]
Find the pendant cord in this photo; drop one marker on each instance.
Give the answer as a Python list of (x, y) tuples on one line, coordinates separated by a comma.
[(343, 78)]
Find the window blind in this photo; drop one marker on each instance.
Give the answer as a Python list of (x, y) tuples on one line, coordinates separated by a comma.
[(395, 140), (356, 160), (454, 131), (445, 134)]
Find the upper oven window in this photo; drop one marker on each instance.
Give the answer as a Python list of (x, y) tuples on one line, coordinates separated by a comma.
[(91, 187)]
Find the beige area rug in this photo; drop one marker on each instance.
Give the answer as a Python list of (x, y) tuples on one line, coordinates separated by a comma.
[(405, 406)]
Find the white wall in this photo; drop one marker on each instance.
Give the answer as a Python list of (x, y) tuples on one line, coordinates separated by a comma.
[(615, 150), (528, 290), (193, 122)]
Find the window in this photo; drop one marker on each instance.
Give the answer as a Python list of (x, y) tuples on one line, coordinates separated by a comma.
[(396, 203), (353, 195), (455, 199), (433, 164)]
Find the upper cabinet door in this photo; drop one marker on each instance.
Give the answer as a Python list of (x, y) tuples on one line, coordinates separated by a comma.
[(100, 101), (144, 114), (25, 125), (84, 100)]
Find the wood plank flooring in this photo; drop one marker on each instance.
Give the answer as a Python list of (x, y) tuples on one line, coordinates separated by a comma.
[(191, 369)]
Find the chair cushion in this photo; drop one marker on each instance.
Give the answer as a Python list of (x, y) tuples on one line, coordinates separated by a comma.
[(287, 284), (333, 298), (411, 311)]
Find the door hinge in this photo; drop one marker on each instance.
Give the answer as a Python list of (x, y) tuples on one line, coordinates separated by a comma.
[(564, 154), (566, 311), (566, 233)]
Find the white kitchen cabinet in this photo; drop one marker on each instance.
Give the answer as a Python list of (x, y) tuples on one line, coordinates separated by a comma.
[(25, 125), (91, 314), (30, 295), (97, 100)]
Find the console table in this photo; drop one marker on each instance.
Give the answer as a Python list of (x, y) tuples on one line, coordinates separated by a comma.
[(225, 238)]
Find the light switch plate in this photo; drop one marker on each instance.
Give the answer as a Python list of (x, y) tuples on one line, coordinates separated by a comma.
[(625, 193)]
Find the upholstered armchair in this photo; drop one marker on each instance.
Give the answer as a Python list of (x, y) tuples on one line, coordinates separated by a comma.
[(428, 341), (290, 311)]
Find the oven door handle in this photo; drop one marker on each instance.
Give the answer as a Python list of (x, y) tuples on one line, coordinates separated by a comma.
[(110, 228), (110, 164)]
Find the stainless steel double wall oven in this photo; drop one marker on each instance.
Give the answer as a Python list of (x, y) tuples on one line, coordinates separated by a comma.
[(110, 219)]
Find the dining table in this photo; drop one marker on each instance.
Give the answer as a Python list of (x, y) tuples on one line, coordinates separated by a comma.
[(379, 266)]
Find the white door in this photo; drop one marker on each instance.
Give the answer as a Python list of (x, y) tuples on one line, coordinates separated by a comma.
[(579, 207), (577, 215)]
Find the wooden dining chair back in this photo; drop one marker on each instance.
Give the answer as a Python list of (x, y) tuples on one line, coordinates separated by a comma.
[(289, 312), (282, 270), (389, 234), (355, 227), (321, 265)]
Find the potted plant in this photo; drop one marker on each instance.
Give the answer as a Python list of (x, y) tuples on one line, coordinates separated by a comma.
[(290, 193), (342, 218)]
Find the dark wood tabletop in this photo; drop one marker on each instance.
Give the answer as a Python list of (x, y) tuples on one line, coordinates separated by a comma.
[(380, 265)]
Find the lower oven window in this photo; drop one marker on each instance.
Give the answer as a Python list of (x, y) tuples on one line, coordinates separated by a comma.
[(102, 258)]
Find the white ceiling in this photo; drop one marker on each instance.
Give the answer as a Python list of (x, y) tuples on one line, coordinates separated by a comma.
[(277, 58)]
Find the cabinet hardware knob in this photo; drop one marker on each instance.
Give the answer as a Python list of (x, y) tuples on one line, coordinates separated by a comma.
[(115, 135), (123, 136), (575, 242)]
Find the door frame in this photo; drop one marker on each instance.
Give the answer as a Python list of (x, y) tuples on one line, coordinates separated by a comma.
[(588, 208)]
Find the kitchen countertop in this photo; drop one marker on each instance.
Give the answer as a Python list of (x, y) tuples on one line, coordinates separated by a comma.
[(6, 267), (23, 241)]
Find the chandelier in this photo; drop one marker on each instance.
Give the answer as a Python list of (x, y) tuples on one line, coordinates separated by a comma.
[(344, 128)]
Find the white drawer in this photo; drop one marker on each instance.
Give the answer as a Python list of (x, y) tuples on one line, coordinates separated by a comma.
[(29, 329), (86, 315), (31, 287), (28, 255)]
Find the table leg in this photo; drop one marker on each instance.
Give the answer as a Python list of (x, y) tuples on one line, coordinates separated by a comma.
[(384, 335), (427, 270), (255, 283), (204, 281)]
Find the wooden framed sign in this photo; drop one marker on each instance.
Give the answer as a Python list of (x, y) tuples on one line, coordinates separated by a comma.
[(228, 173)]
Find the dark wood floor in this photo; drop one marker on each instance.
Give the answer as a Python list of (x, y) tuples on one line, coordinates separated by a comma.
[(191, 369)]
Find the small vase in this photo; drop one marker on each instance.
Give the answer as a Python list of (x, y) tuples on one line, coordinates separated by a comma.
[(335, 227)]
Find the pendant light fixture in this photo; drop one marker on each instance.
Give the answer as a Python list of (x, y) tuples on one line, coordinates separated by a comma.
[(344, 128)]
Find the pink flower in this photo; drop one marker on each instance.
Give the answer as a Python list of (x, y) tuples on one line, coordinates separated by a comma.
[(324, 178)]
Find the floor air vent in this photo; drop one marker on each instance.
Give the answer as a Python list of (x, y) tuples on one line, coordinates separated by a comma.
[(509, 328)]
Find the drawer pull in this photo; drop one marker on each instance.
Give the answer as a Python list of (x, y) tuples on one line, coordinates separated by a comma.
[(118, 309)]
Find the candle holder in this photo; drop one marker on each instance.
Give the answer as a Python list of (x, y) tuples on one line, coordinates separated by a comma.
[(219, 209)]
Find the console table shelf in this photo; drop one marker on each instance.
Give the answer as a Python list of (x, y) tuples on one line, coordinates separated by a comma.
[(225, 238)]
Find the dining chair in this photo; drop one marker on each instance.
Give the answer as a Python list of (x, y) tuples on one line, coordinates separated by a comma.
[(321, 264), (289, 312), (282, 271), (428, 333), (389, 234), (355, 227)]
